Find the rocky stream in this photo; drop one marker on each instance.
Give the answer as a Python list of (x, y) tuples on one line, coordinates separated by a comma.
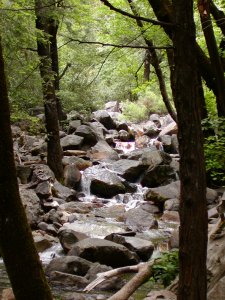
[(118, 204)]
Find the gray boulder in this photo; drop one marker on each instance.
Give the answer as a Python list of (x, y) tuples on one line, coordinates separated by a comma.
[(68, 238), (63, 192), (104, 117), (71, 142), (102, 151), (32, 205), (89, 135), (72, 176), (138, 219), (105, 252), (143, 248), (159, 175), (128, 169)]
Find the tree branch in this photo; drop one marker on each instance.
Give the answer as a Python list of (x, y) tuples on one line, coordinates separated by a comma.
[(122, 12), (64, 70), (114, 45)]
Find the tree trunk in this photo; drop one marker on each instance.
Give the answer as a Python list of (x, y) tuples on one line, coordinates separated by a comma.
[(53, 29), (218, 15), (147, 65), (193, 209), (54, 155), (16, 242), (156, 65), (203, 7), (164, 12)]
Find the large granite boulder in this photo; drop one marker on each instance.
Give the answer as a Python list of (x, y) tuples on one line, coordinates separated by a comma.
[(139, 220), (68, 238), (72, 176), (128, 169), (71, 142), (104, 252), (143, 248), (159, 175), (104, 117), (69, 264), (102, 151), (89, 135), (32, 205)]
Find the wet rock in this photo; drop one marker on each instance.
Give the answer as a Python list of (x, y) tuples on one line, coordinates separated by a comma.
[(114, 211), (32, 205), (159, 175), (68, 238), (63, 192), (172, 191), (166, 141), (103, 182), (71, 142), (143, 248), (42, 243), (124, 136), (138, 219), (72, 176), (104, 117), (102, 151), (105, 252), (150, 208), (153, 158), (122, 126), (89, 135), (69, 264), (128, 169)]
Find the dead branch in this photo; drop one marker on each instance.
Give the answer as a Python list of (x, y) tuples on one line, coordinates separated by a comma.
[(143, 270), (114, 45)]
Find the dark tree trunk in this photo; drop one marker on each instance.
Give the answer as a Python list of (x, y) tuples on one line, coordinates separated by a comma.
[(203, 7), (164, 12), (53, 29), (193, 209), (156, 65), (16, 242), (147, 65), (218, 15), (54, 155)]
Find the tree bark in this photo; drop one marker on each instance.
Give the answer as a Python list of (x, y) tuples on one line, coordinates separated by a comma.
[(53, 29), (54, 155), (193, 209), (164, 12), (156, 65), (16, 242), (203, 7), (147, 65)]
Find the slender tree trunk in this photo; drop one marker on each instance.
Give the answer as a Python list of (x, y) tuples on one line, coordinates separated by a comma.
[(53, 29), (218, 15), (16, 242), (156, 65), (203, 7), (193, 209), (147, 65), (164, 12), (54, 155)]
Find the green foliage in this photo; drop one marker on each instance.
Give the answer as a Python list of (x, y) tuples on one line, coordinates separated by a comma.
[(214, 150), (32, 125), (166, 269), (134, 111)]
